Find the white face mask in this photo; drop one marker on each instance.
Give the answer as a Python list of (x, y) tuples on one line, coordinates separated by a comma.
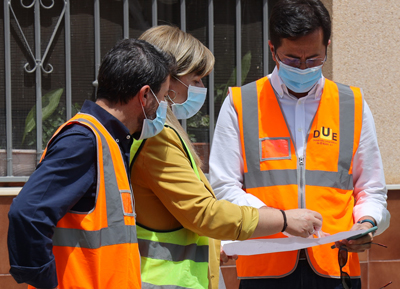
[(193, 103), (152, 127)]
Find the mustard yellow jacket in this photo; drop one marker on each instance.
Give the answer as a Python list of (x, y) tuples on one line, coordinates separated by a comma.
[(168, 195)]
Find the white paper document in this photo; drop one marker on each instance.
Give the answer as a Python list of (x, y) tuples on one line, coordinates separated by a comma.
[(262, 246)]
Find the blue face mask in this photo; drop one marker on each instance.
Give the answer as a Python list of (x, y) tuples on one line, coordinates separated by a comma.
[(299, 80), (193, 103), (152, 127)]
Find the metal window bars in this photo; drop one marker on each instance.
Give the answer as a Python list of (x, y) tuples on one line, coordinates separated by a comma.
[(39, 64)]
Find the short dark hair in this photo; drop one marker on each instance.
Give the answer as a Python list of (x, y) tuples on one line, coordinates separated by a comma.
[(130, 65), (297, 18)]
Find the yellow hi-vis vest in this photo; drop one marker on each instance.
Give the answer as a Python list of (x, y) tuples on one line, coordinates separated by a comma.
[(320, 180), (172, 259), (99, 249)]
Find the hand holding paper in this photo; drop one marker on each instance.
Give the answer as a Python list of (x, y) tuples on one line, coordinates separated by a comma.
[(303, 222)]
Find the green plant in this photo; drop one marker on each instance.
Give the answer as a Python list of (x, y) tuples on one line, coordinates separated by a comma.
[(202, 121), (197, 122), (52, 117), (222, 90)]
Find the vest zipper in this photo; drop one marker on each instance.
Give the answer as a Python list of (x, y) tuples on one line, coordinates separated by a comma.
[(302, 182)]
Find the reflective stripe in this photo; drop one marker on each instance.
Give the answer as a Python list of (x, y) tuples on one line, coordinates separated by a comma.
[(250, 133), (289, 177), (94, 239), (152, 286), (347, 108), (173, 252), (115, 213), (255, 178), (336, 180), (270, 178)]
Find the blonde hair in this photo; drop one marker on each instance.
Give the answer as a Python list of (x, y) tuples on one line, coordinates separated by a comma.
[(191, 57), (190, 54)]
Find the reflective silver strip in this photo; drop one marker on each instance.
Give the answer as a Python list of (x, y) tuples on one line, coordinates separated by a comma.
[(347, 108), (270, 178), (250, 134), (255, 178), (116, 231), (115, 213), (329, 179), (173, 252), (114, 235), (289, 177), (152, 286)]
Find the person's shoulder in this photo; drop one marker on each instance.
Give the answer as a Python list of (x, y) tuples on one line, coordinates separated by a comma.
[(73, 136), (330, 81)]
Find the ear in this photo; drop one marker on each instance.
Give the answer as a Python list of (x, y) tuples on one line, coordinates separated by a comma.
[(329, 42), (272, 49), (173, 84), (143, 95)]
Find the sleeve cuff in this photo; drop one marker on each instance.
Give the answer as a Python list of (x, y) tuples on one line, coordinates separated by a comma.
[(39, 277), (249, 222)]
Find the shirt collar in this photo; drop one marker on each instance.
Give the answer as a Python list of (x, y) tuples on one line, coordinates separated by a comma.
[(282, 90), (115, 127)]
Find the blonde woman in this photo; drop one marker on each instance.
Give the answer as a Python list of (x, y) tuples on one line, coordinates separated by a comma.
[(176, 208)]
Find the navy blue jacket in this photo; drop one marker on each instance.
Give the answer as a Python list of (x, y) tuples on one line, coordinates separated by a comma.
[(65, 180)]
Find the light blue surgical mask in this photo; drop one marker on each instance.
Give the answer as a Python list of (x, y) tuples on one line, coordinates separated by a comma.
[(152, 127), (299, 80), (195, 100)]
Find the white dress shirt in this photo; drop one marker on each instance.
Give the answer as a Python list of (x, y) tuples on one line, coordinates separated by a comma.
[(226, 160)]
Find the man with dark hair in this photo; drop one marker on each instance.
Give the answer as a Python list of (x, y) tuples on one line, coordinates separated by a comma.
[(298, 140), (73, 223)]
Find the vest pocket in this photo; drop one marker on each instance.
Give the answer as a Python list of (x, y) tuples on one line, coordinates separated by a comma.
[(275, 148)]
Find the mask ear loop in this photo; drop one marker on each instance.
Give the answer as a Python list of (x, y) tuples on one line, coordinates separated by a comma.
[(143, 110), (180, 81), (172, 98)]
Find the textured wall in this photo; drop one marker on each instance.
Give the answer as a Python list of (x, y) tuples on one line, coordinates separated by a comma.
[(327, 68), (366, 53)]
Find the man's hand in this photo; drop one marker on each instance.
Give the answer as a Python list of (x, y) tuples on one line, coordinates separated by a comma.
[(303, 222), (360, 244), (225, 258)]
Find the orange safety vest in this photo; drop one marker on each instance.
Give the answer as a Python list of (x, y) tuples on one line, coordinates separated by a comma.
[(99, 249), (320, 180)]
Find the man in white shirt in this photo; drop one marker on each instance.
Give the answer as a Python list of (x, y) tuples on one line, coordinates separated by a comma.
[(296, 139)]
